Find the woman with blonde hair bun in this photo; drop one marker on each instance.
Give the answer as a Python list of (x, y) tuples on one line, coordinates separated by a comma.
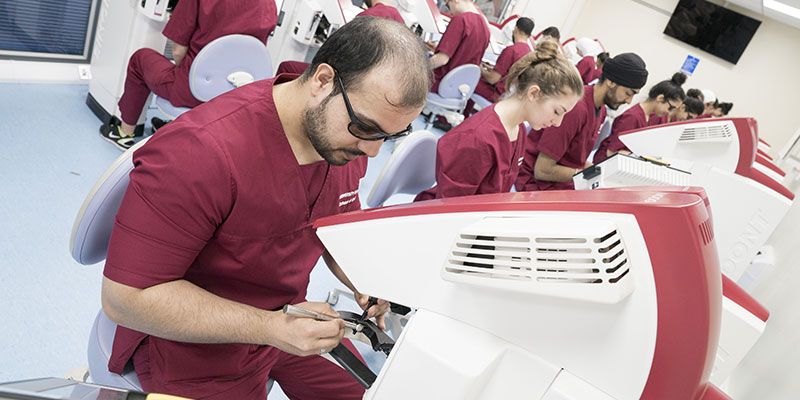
[(482, 154)]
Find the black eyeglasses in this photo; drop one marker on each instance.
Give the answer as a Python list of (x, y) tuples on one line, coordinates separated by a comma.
[(361, 129)]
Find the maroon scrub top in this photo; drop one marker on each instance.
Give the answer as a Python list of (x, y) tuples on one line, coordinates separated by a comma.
[(383, 11), (196, 23), (632, 118), (217, 198), (476, 157), (569, 144), (464, 41), (586, 68), (507, 58), (656, 120)]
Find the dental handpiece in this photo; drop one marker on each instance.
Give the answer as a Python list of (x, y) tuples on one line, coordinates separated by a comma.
[(296, 311)]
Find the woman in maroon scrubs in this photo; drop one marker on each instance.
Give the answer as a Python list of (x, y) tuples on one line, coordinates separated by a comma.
[(483, 154), (663, 98)]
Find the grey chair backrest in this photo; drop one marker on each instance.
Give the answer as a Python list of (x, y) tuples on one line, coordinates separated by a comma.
[(410, 170), (95, 220), (209, 75), (467, 74)]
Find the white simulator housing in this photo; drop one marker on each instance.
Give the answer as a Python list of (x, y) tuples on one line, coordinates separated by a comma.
[(541, 295)]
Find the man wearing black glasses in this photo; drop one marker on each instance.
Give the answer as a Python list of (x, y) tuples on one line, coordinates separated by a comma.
[(214, 234)]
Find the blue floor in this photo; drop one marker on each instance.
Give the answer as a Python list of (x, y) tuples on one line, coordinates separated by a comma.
[(50, 157)]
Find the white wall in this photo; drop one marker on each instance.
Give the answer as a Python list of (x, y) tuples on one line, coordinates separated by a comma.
[(17, 71), (764, 84), (561, 14)]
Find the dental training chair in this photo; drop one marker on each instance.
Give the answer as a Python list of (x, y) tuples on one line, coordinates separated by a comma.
[(224, 64), (454, 90), (541, 295), (411, 169), (89, 240)]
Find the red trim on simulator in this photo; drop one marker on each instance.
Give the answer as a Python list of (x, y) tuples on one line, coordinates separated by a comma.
[(765, 180), (714, 393), (769, 164), (509, 19), (689, 301), (763, 154), (736, 294)]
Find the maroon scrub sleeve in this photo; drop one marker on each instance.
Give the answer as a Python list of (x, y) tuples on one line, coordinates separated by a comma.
[(179, 193), (452, 37), (183, 22), (555, 141)]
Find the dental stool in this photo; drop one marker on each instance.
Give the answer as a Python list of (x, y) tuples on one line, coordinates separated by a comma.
[(454, 90), (89, 240), (224, 64), (410, 169)]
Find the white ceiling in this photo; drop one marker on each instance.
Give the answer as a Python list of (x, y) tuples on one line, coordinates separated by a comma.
[(772, 9)]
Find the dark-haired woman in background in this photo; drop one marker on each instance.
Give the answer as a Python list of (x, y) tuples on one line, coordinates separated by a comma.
[(663, 98), (691, 108), (722, 109), (483, 154)]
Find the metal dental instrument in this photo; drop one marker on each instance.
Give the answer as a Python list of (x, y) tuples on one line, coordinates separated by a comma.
[(305, 313)]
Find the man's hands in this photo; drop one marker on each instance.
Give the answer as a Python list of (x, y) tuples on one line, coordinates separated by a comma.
[(377, 310), (306, 336)]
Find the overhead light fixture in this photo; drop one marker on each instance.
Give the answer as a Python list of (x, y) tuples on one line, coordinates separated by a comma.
[(782, 8)]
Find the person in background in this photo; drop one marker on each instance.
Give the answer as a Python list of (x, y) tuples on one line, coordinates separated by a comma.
[(482, 155), (663, 98), (551, 32), (463, 42), (591, 68), (377, 8), (691, 108), (214, 234), (192, 25), (382, 9), (710, 101), (696, 93), (722, 109), (491, 85), (554, 155)]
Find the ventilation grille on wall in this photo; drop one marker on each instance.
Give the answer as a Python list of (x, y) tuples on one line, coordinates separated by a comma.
[(708, 133), (545, 260)]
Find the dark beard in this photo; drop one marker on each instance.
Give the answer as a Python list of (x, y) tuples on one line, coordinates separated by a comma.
[(609, 100), (314, 123)]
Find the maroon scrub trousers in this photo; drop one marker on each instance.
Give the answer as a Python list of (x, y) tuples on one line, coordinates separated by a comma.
[(194, 24)]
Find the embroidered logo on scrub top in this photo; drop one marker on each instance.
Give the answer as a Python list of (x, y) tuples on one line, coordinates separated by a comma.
[(347, 198)]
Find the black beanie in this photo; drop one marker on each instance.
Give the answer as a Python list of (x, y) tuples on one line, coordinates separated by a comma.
[(626, 69)]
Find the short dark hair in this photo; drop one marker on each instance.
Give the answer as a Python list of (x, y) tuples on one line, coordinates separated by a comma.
[(725, 107), (525, 25), (694, 105), (671, 88), (695, 93), (366, 43), (602, 57), (552, 32)]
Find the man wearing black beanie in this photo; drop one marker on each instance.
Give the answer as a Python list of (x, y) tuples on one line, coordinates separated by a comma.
[(554, 154)]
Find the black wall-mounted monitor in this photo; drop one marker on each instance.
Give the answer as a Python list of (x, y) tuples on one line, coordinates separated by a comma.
[(712, 28)]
